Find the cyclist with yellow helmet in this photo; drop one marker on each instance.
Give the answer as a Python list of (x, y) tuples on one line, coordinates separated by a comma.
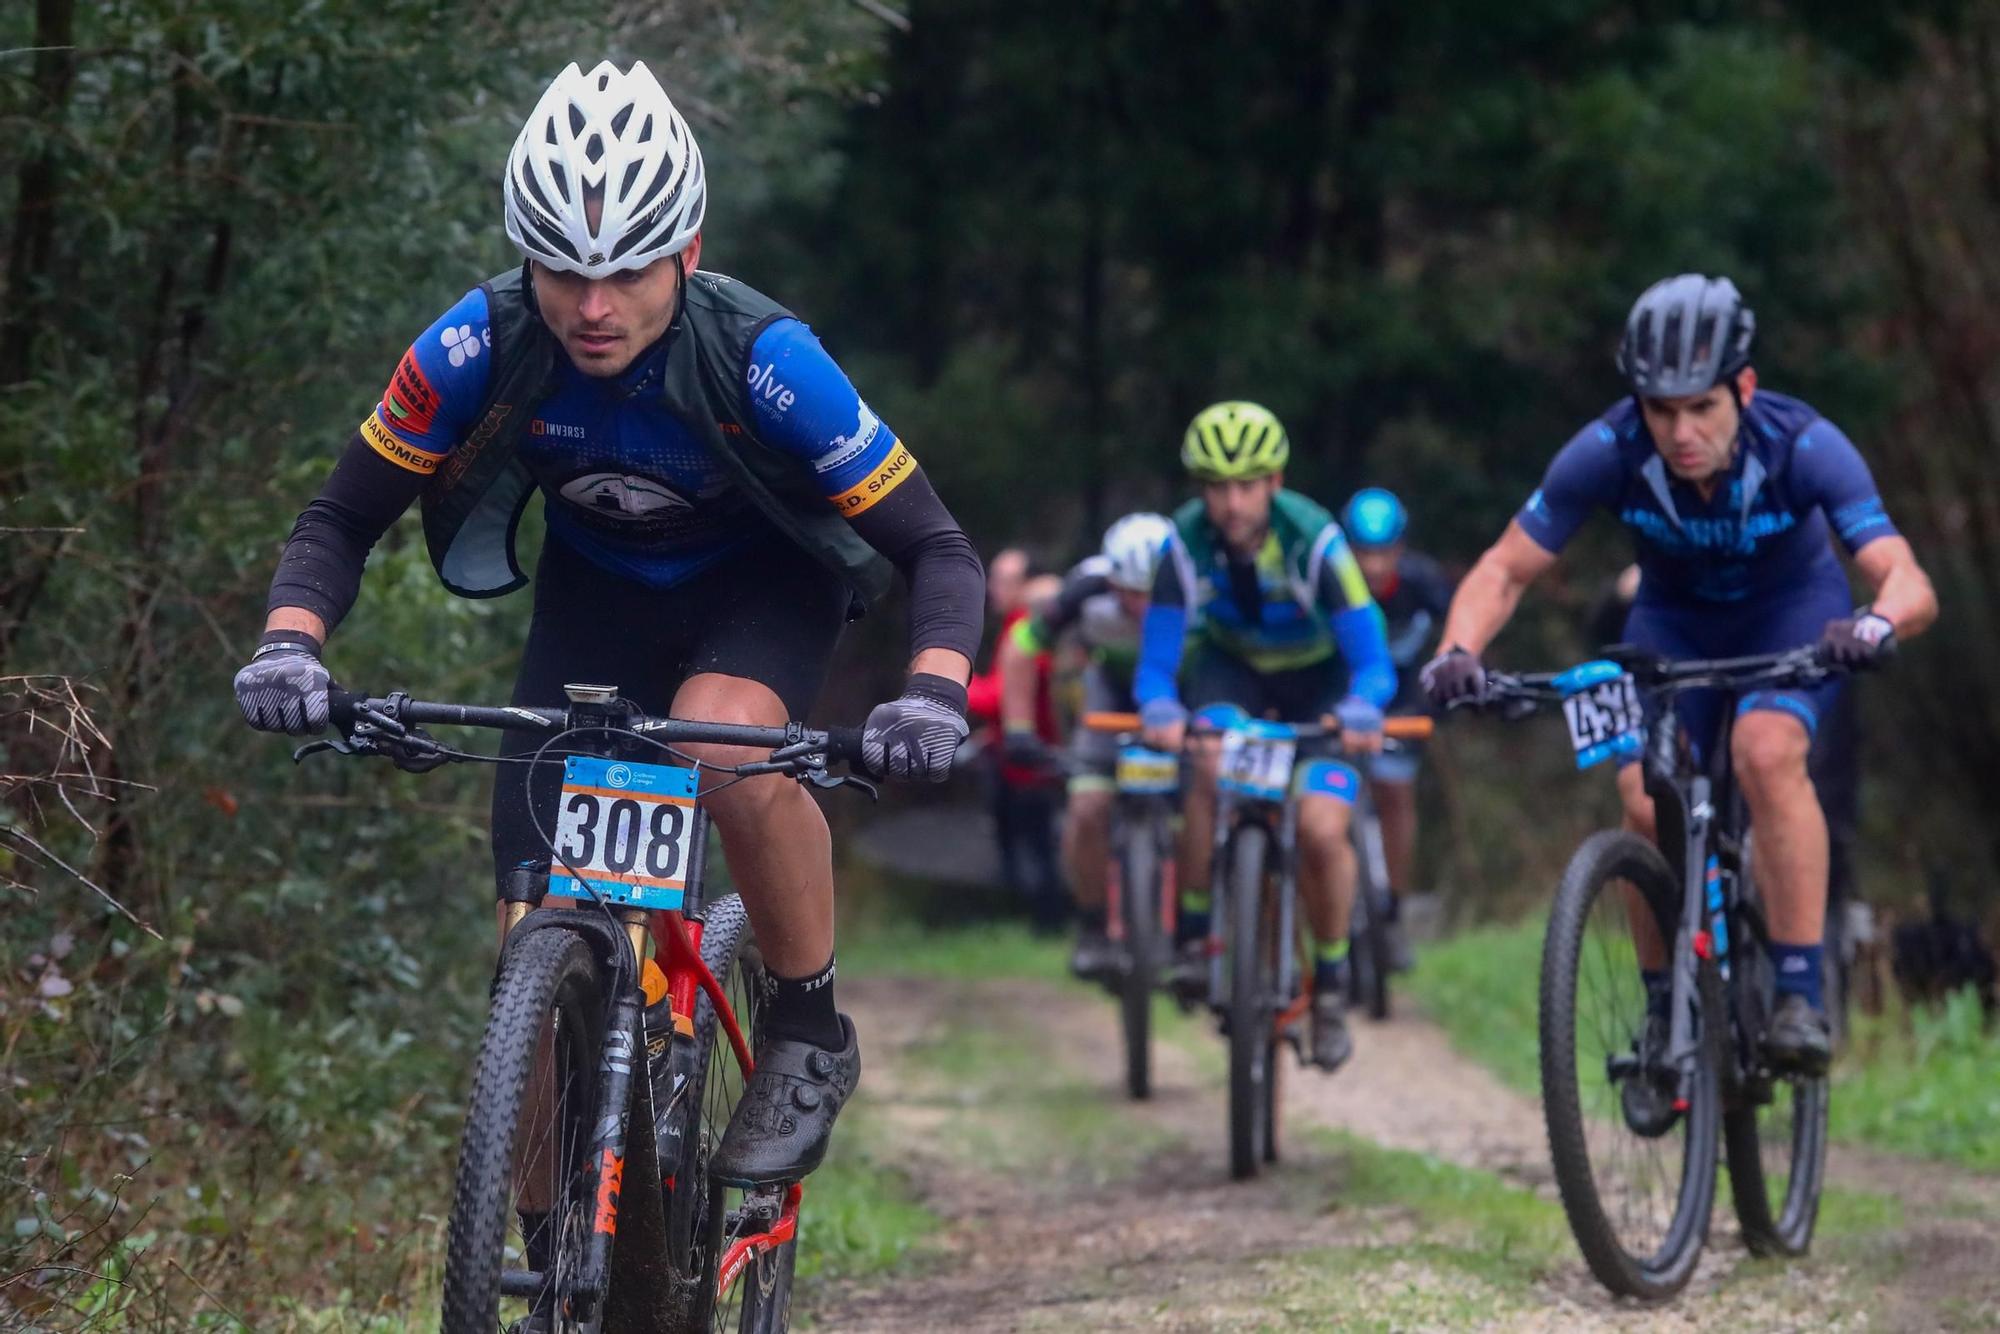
[(1261, 594)]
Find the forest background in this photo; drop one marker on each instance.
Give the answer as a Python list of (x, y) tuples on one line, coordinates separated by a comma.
[(236, 997)]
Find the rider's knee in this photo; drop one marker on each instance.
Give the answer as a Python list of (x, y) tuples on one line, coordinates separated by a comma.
[(1769, 751), (1323, 823)]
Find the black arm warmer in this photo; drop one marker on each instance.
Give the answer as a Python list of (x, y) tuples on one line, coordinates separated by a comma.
[(916, 532), (321, 568)]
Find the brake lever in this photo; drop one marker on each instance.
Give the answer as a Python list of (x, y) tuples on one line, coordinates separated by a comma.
[(338, 746), (820, 778)]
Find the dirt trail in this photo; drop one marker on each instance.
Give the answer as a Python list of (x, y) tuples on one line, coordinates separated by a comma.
[(1166, 1241)]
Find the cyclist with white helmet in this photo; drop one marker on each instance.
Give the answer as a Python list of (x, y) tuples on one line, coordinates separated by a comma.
[(1261, 582), (1414, 594), (1103, 601), (719, 502), (1732, 494)]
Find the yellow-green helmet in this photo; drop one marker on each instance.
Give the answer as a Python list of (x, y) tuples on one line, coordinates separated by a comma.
[(1226, 441)]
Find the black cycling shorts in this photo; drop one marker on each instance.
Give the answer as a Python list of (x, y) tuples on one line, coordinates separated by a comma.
[(771, 615), (1300, 695)]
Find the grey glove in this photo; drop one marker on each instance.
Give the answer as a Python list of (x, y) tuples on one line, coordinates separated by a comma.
[(283, 687), (1454, 675), (916, 734)]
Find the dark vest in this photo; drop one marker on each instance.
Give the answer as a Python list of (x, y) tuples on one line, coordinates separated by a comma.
[(473, 504)]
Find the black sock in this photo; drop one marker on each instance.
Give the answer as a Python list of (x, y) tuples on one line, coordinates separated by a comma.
[(802, 1008), (1395, 913), (1091, 920)]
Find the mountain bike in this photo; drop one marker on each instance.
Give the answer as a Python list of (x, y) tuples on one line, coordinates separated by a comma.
[(606, 1077), (1140, 898), (1256, 985), (1635, 1128)]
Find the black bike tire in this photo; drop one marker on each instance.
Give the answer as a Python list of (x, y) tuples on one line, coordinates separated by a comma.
[(1603, 858), (1788, 1230), (1250, 1041), (1139, 911), (1374, 935), (538, 969)]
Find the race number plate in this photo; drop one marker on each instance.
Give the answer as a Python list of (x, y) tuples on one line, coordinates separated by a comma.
[(1257, 760), (1606, 720), (626, 828), (1147, 772)]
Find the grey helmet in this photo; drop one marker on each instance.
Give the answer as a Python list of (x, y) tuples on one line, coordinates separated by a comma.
[(1685, 335)]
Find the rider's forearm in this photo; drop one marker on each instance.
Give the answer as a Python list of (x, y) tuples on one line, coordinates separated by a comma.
[(917, 534), (320, 571), (299, 619), (945, 662), (1161, 639), (1482, 607), (1365, 646), (1906, 599)]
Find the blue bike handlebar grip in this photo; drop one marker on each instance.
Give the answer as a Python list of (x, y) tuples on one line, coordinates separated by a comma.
[(340, 706), (843, 746)]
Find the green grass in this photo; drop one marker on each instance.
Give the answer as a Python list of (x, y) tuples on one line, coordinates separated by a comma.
[(1480, 986), (1924, 1083), (983, 950)]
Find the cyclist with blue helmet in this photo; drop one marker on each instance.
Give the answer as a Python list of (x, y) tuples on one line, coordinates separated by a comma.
[(1414, 594), (1732, 494)]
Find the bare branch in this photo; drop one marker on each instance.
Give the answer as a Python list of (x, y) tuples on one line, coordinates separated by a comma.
[(84, 879)]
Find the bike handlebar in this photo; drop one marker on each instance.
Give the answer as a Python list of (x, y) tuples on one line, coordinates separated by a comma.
[(1807, 665), (839, 744), (1403, 728)]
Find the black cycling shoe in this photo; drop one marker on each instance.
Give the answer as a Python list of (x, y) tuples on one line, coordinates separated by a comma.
[(1095, 958), (1332, 1044), (781, 1126), (1799, 1040)]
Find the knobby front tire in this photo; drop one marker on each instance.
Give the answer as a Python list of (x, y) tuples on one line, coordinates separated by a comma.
[(1252, 982), (1638, 1204), (1139, 911), (1369, 967), (547, 1013)]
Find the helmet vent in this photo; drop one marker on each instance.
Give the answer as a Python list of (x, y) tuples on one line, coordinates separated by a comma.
[(646, 131), (593, 151), (619, 121), (577, 120)]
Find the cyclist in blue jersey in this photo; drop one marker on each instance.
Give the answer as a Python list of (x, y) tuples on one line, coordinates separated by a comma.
[(1260, 582), (1732, 494), (1414, 594), (719, 502)]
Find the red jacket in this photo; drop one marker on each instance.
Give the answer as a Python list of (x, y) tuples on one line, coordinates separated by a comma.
[(983, 695)]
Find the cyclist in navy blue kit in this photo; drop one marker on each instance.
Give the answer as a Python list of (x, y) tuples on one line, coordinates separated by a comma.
[(1414, 594), (1732, 494), (719, 503)]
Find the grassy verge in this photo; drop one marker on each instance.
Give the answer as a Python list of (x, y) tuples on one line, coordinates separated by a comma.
[(862, 1217), (1926, 1082)]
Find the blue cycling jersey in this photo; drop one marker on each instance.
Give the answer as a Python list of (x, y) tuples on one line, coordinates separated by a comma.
[(627, 485), (1762, 532)]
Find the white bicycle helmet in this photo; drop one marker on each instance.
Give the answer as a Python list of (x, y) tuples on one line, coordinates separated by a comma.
[(1133, 547), (609, 134)]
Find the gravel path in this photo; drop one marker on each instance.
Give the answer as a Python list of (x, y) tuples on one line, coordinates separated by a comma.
[(1169, 1243)]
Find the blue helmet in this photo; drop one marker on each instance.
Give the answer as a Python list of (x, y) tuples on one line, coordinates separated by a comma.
[(1374, 518)]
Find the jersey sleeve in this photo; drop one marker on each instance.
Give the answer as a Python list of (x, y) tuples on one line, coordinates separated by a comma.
[(1342, 591), (1829, 470), (805, 406), (437, 388), (1583, 477), (1163, 633), (1040, 631)]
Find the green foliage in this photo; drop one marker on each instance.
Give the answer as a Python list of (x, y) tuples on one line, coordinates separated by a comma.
[(1926, 1083), (1480, 986)]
